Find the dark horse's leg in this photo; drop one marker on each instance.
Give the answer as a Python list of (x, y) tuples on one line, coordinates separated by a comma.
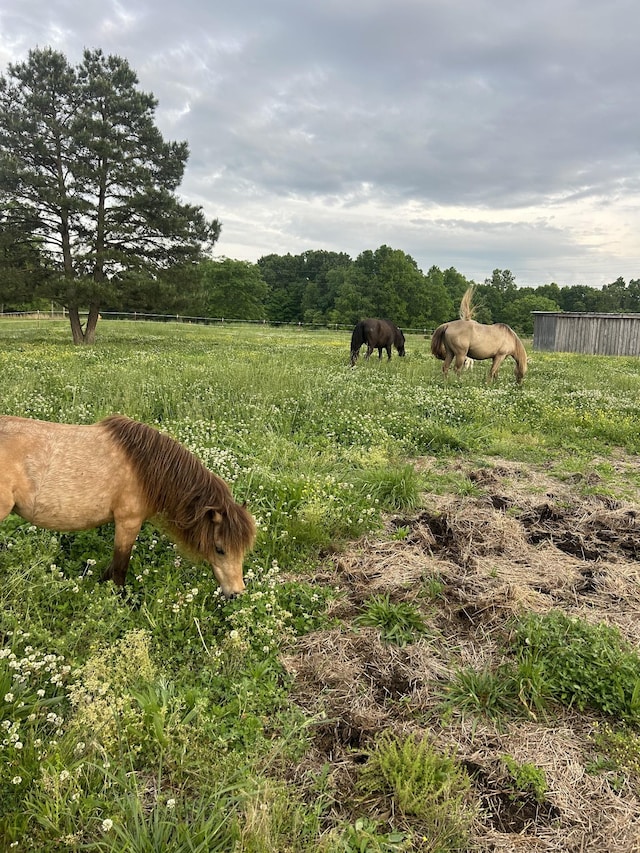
[(388, 348)]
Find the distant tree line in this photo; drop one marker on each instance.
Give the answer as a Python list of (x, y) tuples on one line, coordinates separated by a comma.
[(90, 220), (318, 287)]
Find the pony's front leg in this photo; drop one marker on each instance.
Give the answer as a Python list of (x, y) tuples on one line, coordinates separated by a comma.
[(126, 534), (495, 366), (369, 351)]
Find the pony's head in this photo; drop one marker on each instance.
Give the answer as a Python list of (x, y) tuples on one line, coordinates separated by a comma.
[(520, 358), (226, 535), (194, 504), (521, 368), (399, 342)]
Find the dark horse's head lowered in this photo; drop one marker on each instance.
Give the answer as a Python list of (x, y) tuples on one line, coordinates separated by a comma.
[(376, 334)]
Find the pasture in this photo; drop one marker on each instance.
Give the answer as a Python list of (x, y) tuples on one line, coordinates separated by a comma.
[(438, 645)]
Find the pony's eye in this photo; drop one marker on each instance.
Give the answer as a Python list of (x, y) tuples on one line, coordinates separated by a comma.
[(219, 550)]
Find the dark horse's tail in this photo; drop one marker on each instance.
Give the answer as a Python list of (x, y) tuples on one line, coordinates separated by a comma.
[(437, 342), (357, 339)]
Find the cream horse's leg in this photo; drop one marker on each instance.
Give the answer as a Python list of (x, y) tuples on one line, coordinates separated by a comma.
[(461, 358), (497, 361), (447, 363)]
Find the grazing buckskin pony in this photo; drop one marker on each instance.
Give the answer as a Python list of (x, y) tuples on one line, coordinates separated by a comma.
[(376, 334), (465, 338), (72, 477)]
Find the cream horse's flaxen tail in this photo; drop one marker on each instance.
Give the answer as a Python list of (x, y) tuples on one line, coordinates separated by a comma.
[(467, 309)]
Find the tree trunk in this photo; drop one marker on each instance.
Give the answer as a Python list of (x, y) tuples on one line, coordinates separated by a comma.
[(77, 332), (92, 322), (86, 335)]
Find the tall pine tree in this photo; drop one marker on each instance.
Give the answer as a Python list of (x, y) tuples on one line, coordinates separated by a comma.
[(80, 156)]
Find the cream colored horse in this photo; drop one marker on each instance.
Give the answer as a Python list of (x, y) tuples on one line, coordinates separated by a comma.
[(70, 477), (460, 340)]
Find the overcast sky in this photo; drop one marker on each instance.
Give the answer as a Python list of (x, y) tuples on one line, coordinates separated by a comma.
[(477, 134)]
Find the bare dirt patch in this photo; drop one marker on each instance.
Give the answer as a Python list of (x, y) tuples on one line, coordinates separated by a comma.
[(524, 542)]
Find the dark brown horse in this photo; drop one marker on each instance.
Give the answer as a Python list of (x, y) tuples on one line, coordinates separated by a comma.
[(376, 334), (465, 338), (69, 477)]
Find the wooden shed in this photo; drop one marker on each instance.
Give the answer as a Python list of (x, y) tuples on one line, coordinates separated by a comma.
[(591, 334)]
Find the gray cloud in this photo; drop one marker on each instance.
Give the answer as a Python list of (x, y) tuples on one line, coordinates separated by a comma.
[(475, 134)]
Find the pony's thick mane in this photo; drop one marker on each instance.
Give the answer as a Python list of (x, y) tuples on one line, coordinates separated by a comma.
[(520, 354), (507, 329), (180, 489)]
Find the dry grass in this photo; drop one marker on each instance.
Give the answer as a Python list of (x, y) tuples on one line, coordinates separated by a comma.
[(527, 544)]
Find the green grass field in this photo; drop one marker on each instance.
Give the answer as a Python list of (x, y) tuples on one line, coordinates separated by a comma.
[(167, 722)]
